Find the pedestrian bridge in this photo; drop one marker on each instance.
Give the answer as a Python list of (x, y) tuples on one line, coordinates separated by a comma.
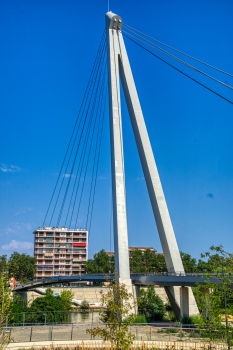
[(164, 279)]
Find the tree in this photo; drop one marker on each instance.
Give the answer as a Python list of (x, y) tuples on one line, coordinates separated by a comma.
[(66, 298), (216, 300), (22, 267), (160, 265), (5, 305), (51, 305), (119, 305), (137, 261), (101, 263), (190, 264), (150, 304), (3, 264), (85, 305)]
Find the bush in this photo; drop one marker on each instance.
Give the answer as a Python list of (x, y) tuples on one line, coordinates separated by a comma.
[(135, 319), (85, 305)]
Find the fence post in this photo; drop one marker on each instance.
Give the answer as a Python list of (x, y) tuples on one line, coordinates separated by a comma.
[(71, 336), (150, 333), (68, 316), (181, 332), (136, 332), (6, 321), (31, 335), (45, 317), (23, 318)]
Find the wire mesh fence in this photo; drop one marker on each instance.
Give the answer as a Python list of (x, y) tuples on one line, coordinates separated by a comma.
[(52, 318), (142, 332)]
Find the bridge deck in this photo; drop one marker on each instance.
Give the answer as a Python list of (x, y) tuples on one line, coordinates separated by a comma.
[(166, 279)]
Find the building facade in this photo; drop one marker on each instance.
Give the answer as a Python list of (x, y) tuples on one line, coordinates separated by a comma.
[(60, 251), (143, 249)]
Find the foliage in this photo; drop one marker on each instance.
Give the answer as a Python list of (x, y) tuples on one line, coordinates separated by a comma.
[(190, 264), (101, 263), (119, 306), (85, 305), (215, 300), (150, 304), (5, 304), (66, 298), (135, 319), (3, 263), (22, 267)]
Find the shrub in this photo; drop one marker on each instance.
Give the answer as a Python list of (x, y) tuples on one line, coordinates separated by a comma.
[(85, 305)]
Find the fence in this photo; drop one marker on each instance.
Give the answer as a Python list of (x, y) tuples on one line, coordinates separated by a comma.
[(52, 318), (63, 317), (147, 332)]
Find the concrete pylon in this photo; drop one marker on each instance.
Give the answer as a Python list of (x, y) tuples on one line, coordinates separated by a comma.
[(118, 64)]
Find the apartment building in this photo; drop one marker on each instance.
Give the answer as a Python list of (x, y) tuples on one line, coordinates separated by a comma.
[(143, 249), (60, 251)]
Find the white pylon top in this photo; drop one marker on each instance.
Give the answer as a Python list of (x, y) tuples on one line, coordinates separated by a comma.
[(113, 21)]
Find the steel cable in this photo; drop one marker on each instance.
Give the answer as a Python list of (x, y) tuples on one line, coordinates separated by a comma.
[(83, 161), (80, 200), (94, 74), (179, 70), (90, 78), (96, 147), (89, 231), (67, 187), (126, 25), (176, 58)]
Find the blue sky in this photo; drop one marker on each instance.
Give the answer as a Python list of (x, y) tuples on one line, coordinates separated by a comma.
[(47, 52)]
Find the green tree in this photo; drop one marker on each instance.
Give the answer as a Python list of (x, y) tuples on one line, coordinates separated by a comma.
[(85, 305), (101, 263), (51, 305), (160, 265), (5, 305), (215, 299), (150, 304), (190, 264), (22, 267), (66, 298), (119, 306), (149, 260), (3, 264), (137, 261)]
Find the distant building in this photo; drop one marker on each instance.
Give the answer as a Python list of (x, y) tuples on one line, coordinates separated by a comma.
[(60, 251), (143, 249)]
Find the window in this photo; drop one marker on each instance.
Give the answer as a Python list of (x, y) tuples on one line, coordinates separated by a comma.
[(40, 239), (49, 239), (48, 250), (48, 245), (41, 233), (62, 261), (63, 233), (57, 234), (84, 251), (57, 245), (68, 245), (40, 250), (49, 234)]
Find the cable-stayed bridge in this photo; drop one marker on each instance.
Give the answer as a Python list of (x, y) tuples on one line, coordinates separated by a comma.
[(81, 162)]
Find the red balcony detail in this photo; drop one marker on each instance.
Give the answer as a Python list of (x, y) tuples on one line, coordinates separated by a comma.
[(80, 244)]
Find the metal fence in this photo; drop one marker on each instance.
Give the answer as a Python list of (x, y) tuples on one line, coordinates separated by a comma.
[(45, 318), (142, 332)]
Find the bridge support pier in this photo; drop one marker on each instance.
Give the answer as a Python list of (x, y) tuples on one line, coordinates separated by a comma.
[(184, 302)]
